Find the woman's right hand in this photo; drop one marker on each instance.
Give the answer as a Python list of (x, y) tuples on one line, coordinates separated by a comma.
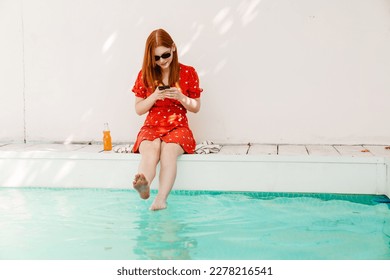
[(143, 106), (158, 94)]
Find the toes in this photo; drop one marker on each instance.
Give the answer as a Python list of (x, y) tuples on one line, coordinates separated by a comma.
[(142, 177), (136, 178)]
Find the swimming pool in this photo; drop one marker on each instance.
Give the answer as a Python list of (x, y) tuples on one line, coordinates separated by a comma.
[(74, 224)]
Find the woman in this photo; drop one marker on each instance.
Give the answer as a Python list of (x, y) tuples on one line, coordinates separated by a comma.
[(166, 90)]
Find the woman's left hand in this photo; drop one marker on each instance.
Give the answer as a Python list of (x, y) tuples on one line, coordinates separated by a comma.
[(191, 104), (173, 93)]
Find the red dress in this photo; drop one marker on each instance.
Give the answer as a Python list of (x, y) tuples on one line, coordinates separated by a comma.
[(167, 118)]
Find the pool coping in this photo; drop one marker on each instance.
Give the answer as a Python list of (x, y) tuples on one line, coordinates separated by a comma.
[(215, 172)]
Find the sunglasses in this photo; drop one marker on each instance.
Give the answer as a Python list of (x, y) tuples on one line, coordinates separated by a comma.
[(164, 55)]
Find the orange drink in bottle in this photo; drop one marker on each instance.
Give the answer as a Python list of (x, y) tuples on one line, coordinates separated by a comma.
[(107, 143)]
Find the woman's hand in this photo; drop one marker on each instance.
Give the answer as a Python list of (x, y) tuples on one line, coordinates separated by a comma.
[(142, 106), (173, 93), (158, 94)]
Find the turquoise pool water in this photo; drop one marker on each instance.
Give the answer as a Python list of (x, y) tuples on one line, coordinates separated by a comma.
[(44, 223)]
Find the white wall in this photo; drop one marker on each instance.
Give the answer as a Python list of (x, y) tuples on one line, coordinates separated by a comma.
[(11, 72), (273, 71)]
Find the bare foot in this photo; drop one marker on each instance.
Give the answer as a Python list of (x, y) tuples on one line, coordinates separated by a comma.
[(158, 204), (141, 185)]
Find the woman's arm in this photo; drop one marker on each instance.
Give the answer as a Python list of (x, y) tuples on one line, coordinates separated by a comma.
[(143, 105), (191, 104)]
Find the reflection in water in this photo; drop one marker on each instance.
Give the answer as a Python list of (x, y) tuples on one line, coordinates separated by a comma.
[(162, 237)]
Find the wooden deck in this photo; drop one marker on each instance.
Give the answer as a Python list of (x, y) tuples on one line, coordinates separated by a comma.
[(230, 149), (307, 150)]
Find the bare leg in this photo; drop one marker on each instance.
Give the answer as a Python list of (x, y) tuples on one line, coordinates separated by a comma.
[(150, 151), (168, 168)]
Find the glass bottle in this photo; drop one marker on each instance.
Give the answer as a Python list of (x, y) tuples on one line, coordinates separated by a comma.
[(107, 144)]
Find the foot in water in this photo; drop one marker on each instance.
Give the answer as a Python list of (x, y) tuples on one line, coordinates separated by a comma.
[(158, 204), (141, 185)]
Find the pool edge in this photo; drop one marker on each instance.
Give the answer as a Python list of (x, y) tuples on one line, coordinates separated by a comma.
[(317, 174)]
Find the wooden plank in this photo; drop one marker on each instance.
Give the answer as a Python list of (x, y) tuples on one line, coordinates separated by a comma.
[(54, 147), (379, 151), (15, 147), (353, 150), (30, 147), (234, 149), (96, 148), (255, 149), (292, 150), (322, 150), (258, 149)]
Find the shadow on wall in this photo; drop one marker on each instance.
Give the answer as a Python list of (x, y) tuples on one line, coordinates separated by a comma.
[(222, 24), (101, 57)]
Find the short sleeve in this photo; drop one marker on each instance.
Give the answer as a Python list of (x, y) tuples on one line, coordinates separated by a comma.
[(194, 89), (139, 88)]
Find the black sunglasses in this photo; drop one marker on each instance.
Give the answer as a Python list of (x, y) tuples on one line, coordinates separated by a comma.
[(164, 55)]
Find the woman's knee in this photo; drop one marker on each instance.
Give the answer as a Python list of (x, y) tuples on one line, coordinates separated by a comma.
[(170, 151), (151, 148)]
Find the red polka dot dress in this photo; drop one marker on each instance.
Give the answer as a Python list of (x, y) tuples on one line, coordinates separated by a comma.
[(167, 118)]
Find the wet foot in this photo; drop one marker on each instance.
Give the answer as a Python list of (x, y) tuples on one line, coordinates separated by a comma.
[(158, 204), (141, 185)]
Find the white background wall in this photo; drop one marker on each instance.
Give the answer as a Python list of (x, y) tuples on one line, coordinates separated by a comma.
[(273, 71)]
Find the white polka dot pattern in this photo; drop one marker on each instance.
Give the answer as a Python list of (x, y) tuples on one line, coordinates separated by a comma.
[(167, 118)]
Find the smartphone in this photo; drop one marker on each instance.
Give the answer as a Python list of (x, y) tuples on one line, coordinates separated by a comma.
[(163, 87)]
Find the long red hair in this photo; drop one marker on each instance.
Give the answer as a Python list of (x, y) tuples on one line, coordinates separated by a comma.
[(151, 72)]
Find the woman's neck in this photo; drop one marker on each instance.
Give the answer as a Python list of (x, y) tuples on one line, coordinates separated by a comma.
[(165, 76), (165, 72)]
